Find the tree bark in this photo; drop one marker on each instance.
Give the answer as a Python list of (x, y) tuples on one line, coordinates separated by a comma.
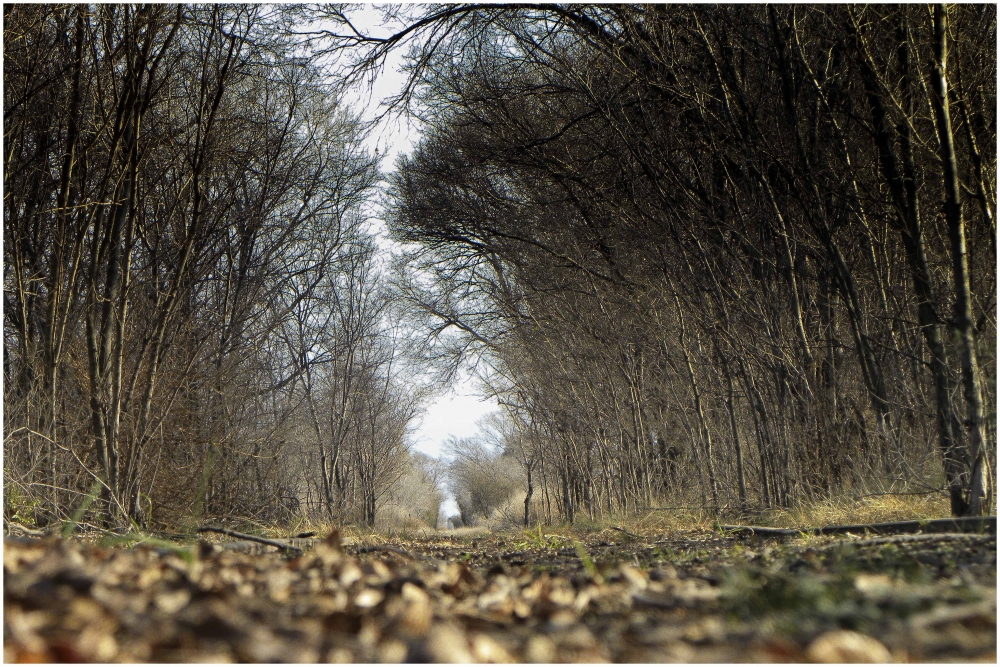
[(527, 499), (962, 323), (706, 435), (730, 399)]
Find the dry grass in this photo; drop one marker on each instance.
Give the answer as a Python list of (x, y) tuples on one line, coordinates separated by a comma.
[(873, 509), (665, 521), (847, 510)]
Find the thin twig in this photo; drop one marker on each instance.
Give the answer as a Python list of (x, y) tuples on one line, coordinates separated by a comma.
[(931, 537), (700, 508), (908, 493), (111, 493), (385, 547), (252, 538), (938, 526), (622, 530), (31, 532)]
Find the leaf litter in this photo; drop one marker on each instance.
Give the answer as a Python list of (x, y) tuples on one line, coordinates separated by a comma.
[(686, 596)]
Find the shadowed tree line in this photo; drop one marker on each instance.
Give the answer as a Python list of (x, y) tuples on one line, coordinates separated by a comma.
[(195, 323), (733, 257), (730, 256)]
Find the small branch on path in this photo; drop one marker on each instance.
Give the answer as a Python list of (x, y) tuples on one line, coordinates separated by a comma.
[(930, 537), (251, 538), (893, 493), (30, 532), (385, 547), (622, 530), (978, 524)]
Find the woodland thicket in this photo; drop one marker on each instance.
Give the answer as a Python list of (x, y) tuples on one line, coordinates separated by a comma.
[(731, 257), (735, 256)]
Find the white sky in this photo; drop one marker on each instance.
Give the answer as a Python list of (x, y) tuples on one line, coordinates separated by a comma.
[(456, 412)]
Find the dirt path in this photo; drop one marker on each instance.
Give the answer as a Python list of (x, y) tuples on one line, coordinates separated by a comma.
[(603, 596)]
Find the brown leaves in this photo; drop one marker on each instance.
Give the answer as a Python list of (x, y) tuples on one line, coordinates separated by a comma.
[(66, 601), (413, 611)]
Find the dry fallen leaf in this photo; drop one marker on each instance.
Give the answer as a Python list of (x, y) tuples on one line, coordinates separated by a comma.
[(485, 649), (445, 643), (67, 601), (839, 646), (540, 649), (368, 598)]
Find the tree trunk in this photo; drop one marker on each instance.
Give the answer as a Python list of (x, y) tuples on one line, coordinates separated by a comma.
[(741, 480), (962, 323), (527, 500), (699, 410)]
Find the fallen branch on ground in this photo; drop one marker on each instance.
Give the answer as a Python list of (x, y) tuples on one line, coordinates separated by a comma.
[(622, 530), (978, 524), (385, 547), (897, 493), (30, 532), (284, 546), (169, 536), (929, 537)]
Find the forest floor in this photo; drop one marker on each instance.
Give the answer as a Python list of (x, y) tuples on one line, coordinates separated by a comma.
[(608, 594)]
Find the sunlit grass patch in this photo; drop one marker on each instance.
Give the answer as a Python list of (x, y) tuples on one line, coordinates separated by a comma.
[(644, 525), (850, 510), (667, 520), (537, 538)]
